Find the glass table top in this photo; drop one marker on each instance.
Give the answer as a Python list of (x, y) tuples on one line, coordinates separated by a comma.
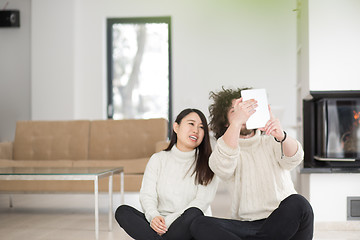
[(55, 170)]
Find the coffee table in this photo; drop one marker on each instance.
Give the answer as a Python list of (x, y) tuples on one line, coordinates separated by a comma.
[(73, 173)]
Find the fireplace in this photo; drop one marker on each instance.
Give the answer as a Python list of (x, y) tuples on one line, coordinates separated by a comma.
[(331, 123)]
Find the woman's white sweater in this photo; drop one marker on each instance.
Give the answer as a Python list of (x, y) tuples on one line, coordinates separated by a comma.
[(168, 187), (259, 178)]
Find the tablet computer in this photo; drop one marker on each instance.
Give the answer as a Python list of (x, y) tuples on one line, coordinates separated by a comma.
[(262, 115)]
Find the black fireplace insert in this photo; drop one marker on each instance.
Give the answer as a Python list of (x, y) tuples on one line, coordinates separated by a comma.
[(331, 123)]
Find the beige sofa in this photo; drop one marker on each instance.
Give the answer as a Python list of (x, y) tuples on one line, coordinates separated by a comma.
[(82, 143)]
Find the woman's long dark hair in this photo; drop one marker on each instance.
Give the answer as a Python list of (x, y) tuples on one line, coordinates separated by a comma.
[(203, 173)]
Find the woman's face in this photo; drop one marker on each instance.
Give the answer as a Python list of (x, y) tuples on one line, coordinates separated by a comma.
[(190, 132)]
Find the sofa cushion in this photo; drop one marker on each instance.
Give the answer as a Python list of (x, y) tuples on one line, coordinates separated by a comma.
[(125, 139), (35, 163), (51, 140), (132, 184), (6, 150)]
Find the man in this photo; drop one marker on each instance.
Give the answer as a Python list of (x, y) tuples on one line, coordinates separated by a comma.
[(256, 163)]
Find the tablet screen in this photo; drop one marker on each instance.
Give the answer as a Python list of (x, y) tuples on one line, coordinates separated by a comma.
[(262, 115)]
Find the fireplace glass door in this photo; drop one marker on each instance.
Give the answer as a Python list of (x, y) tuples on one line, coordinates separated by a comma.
[(338, 127)]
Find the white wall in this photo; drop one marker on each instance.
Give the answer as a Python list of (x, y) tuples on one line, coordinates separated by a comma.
[(52, 60), (214, 43), (15, 94), (334, 37), (328, 195)]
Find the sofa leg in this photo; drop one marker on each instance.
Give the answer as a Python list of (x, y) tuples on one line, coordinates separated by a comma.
[(10, 201)]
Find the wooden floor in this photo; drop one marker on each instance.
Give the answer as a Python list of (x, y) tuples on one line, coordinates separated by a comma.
[(71, 217)]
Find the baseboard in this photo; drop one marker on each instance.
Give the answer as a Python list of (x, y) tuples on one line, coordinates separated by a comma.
[(338, 226)]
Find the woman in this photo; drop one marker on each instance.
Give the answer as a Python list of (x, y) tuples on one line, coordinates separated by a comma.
[(177, 186)]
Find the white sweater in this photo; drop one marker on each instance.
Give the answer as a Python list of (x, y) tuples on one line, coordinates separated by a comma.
[(168, 188), (259, 179)]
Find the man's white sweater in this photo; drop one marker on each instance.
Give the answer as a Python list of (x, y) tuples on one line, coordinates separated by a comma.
[(168, 187), (259, 178)]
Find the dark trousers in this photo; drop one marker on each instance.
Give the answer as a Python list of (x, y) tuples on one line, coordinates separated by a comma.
[(136, 226), (292, 220)]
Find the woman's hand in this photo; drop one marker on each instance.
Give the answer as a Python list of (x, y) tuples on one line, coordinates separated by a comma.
[(158, 224), (273, 127)]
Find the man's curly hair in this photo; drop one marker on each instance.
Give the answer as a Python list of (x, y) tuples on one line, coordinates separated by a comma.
[(219, 109)]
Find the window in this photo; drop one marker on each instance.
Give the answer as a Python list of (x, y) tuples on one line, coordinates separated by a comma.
[(139, 68)]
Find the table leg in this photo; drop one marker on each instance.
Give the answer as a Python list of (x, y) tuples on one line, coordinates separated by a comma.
[(110, 201), (96, 191), (122, 201)]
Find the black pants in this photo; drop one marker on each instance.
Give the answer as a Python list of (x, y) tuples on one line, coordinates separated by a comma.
[(293, 219), (136, 226)]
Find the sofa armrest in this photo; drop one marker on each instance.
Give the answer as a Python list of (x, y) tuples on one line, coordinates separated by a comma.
[(6, 150), (161, 145)]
